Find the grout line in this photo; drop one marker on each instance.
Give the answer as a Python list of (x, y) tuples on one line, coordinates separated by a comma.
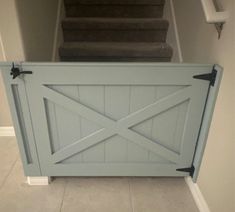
[(62, 201), (130, 195), (10, 171)]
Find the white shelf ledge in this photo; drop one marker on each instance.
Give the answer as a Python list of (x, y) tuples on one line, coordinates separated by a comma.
[(211, 15)]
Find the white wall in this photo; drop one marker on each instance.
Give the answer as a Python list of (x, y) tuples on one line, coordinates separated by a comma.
[(11, 48), (199, 44), (37, 21), (5, 117), (27, 30), (10, 31)]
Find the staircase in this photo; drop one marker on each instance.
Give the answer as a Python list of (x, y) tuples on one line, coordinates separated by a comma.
[(115, 30)]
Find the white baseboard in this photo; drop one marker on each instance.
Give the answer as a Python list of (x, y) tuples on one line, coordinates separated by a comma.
[(197, 195), (7, 131), (40, 181)]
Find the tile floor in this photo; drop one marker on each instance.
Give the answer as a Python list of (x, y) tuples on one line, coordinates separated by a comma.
[(87, 194)]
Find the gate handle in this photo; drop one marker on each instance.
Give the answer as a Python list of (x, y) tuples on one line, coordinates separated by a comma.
[(15, 72)]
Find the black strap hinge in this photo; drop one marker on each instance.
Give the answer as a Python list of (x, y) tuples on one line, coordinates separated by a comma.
[(190, 170), (15, 71), (210, 77)]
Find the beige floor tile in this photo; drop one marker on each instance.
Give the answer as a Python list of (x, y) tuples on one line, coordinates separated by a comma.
[(8, 156), (97, 195), (17, 196), (161, 195), (87, 194)]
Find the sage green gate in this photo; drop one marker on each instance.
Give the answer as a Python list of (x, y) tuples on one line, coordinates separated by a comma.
[(114, 119)]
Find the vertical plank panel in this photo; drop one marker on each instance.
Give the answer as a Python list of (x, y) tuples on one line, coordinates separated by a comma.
[(164, 126), (93, 97), (116, 107), (165, 90), (68, 123), (152, 156), (166, 120), (140, 97), (116, 101), (18, 92), (180, 126)]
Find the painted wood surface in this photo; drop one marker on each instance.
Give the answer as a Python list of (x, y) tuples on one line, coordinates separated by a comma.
[(114, 119)]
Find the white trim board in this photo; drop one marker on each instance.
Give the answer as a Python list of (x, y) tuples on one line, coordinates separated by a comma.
[(7, 131), (172, 34), (57, 31), (180, 55), (197, 195), (2, 49), (39, 181)]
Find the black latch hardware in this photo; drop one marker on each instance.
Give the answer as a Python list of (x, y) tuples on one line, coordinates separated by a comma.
[(210, 77), (190, 170), (15, 72)]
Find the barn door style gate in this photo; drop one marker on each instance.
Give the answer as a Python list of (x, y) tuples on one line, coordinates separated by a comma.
[(111, 119)]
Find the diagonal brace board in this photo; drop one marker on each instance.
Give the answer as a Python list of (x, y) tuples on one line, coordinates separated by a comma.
[(116, 127)]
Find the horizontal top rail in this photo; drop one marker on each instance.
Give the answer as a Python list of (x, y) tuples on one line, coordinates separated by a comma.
[(211, 14)]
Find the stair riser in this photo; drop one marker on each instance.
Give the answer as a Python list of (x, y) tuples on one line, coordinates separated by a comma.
[(117, 51), (113, 59), (115, 35), (133, 11), (115, 2)]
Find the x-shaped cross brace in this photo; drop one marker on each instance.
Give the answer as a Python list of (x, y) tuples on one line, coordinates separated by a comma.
[(120, 127)]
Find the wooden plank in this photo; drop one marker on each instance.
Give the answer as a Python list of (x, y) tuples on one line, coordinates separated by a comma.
[(180, 125), (68, 123), (119, 118), (206, 121), (193, 122), (116, 107), (150, 145), (78, 108), (73, 105), (140, 97), (155, 108), (112, 73), (126, 122), (81, 145), (93, 97), (52, 125), (166, 120), (18, 92), (31, 168), (115, 169)]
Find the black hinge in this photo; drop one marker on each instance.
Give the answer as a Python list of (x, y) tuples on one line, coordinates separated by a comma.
[(190, 170), (210, 77), (15, 71)]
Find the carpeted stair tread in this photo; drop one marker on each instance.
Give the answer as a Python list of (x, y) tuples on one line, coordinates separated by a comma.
[(114, 29), (114, 50), (115, 23)]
